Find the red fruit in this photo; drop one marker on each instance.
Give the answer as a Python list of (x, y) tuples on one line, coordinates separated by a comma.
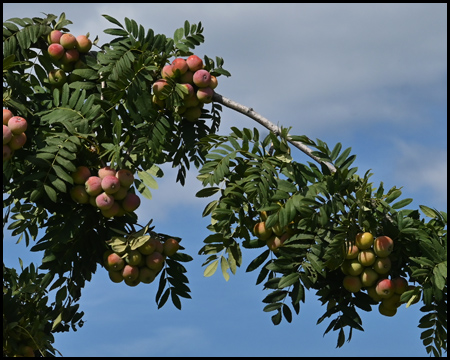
[(167, 72), (93, 186), (79, 194), (106, 171), (130, 272), (104, 201), (56, 51), (70, 56), (7, 114), (7, 153), (131, 202), (385, 288), (84, 44), (158, 86), (81, 175), (155, 261), (205, 95), (383, 246), (179, 67), (68, 41), (401, 284), (7, 134), (17, 125), (125, 177), (54, 37), (194, 63), (110, 184), (17, 141), (202, 78), (114, 262)]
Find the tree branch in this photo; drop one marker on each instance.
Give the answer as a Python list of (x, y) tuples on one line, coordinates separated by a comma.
[(268, 125)]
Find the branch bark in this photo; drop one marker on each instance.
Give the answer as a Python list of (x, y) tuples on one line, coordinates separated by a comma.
[(268, 125)]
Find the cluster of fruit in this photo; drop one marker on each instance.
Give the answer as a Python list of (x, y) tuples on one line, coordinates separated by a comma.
[(109, 191), (13, 133), (65, 50), (139, 265), (199, 86), (274, 236), (367, 266)]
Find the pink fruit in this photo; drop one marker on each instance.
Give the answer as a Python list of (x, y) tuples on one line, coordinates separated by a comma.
[(383, 246), (7, 153), (17, 141), (167, 72), (81, 175), (17, 125), (115, 262), (179, 67), (110, 184), (93, 186), (79, 194), (202, 78), (70, 56), (190, 90), (194, 63), (131, 202), (84, 44), (106, 171), (7, 114), (112, 211), (54, 37), (158, 86), (205, 95), (68, 41), (56, 51), (125, 177), (104, 201), (385, 288), (7, 134), (130, 272), (401, 284), (154, 261)]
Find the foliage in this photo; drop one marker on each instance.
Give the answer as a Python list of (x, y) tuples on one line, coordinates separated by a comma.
[(104, 116)]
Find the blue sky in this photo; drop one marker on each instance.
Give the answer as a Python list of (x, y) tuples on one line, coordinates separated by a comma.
[(371, 76)]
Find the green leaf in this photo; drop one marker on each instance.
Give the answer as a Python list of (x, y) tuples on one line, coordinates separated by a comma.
[(402, 203), (428, 211), (224, 266), (211, 268), (394, 195), (51, 193), (148, 179), (288, 280), (207, 192), (112, 20), (256, 262)]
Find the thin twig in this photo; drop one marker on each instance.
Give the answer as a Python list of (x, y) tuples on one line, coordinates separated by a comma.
[(268, 125)]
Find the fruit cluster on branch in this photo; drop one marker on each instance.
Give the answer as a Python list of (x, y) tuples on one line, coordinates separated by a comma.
[(64, 49), (196, 86), (367, 266), (109, 191), (14, 137), (140, 261)]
